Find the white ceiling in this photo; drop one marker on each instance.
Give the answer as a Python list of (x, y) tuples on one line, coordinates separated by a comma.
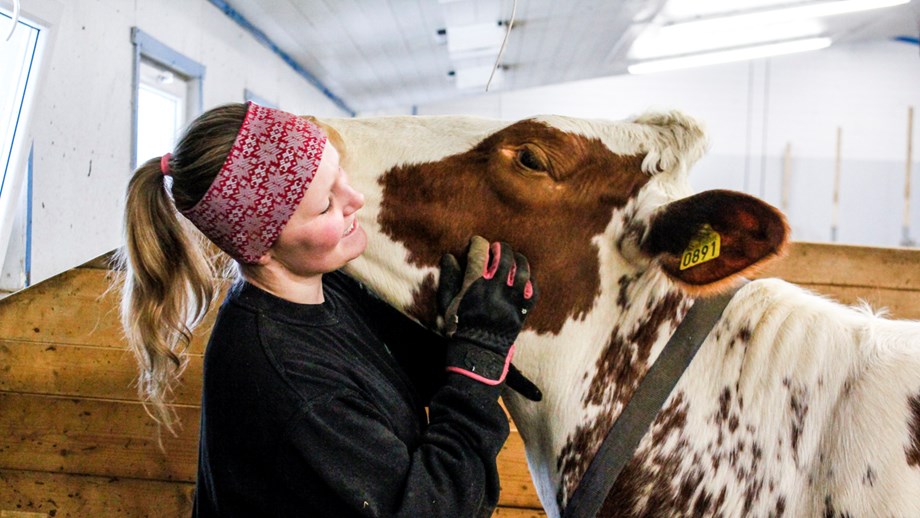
[(385, 54)]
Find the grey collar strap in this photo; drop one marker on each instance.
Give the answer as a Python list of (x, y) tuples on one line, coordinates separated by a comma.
[(623, 438)]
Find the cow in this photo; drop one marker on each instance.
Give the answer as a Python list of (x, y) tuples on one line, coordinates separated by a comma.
[(794, 405)]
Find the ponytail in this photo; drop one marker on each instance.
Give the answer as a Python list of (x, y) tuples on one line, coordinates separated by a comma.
[(168, 287), (171, 269)]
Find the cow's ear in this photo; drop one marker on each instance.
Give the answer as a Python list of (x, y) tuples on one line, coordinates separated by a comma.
[(713, 238), (335, 138)]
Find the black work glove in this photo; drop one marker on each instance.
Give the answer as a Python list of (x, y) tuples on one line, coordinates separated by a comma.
[(484, 309)]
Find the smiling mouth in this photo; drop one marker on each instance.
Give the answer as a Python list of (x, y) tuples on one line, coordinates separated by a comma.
[(349, 230)]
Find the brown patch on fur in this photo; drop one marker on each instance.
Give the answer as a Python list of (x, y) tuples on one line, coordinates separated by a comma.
[(780, 506), (869, 477), (425, 304), (620, 368), (544, 191), (725, 401), (913, 451), (644, 488), (798, 406), (624, 282), (831, 512), (743, 337)]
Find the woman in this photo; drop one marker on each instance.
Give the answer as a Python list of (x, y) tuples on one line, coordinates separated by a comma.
[(314, 391)]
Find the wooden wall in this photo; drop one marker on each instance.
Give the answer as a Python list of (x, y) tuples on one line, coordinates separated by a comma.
[(74, 441)]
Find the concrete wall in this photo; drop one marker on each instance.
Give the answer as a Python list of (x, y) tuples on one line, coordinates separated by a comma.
[(81, 126), (753, 110)]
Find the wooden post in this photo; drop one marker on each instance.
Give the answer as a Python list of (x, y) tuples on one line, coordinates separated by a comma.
[(835, 218), (905, 228)]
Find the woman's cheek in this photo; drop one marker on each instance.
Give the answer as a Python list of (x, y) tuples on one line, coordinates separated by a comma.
[(328, 235)]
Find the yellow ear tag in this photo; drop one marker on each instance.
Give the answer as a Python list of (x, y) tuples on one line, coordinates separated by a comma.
[(704, 247)]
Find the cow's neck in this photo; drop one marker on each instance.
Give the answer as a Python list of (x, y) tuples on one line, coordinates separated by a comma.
[(588, 380)]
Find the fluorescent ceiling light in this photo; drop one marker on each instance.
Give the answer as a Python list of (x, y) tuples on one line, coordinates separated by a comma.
[(684, 9), (476, 77), (474, 54), (475, 37), (784, 14), (728, 56), (655, 42)]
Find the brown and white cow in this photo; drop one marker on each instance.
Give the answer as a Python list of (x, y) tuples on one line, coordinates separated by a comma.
[(793, 406)]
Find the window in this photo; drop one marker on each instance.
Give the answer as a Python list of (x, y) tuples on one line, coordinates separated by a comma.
[(167, 96), (19, 58), (161, 109)]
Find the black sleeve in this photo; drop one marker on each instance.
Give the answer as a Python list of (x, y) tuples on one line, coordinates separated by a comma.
[(419, 351), (451, 473)]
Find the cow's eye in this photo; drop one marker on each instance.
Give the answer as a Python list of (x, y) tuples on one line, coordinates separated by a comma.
[(532, 159)]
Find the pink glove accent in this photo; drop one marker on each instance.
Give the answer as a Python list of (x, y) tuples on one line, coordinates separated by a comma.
[(487, 381), (491, 267)]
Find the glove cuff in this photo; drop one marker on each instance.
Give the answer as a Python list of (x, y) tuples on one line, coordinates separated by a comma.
[(477, 363)]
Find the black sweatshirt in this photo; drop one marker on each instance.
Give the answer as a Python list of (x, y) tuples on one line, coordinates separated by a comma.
[(318, 410)]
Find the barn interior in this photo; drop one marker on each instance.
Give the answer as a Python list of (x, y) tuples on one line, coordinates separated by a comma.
[(809, 105)]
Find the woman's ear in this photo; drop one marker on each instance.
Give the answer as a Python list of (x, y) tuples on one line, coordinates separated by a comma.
[(265, 259), (707, 241)]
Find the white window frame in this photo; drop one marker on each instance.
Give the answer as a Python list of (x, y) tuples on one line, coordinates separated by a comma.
[(43, 15), (149, 48)]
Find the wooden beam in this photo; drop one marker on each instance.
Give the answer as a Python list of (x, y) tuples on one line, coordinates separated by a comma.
[(83, 371), (118, 439), (93, 437), (854, 266), (78, 307), (64, 495), (36, 494)]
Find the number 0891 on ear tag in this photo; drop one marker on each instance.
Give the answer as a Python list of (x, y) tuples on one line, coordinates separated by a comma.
[(706, 246)]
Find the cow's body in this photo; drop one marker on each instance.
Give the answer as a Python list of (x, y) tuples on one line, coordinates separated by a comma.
[(794, 405)]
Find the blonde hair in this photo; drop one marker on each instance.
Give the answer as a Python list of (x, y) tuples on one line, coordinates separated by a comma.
[(171, 272)]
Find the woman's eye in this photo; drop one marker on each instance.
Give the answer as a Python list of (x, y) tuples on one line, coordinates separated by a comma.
[(328, 206)]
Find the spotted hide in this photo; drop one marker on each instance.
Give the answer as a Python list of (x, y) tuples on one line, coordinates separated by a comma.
[(794, 406)]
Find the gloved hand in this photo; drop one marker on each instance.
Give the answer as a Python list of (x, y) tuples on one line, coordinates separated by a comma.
[(484, 309)]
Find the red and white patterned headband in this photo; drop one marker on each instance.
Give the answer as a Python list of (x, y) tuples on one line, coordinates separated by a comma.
[(270, 166)]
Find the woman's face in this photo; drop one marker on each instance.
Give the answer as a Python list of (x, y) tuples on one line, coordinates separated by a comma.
[(323, 233)]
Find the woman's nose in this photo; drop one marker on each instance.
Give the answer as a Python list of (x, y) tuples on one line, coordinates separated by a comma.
[(355, 199)]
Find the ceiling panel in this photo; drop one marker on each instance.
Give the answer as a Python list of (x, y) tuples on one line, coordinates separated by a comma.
[(384, 54)]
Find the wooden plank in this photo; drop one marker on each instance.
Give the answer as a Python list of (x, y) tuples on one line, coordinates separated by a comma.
[(77, 307), (93, 437), (75, 496), (117, 439), (516, 512), (843, 265), (517, 486), (83, 371), (900, 304), (65, 496), (67, 308), (103, 262)]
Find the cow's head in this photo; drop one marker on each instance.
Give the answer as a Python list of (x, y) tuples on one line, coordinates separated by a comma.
[(559, 189)]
